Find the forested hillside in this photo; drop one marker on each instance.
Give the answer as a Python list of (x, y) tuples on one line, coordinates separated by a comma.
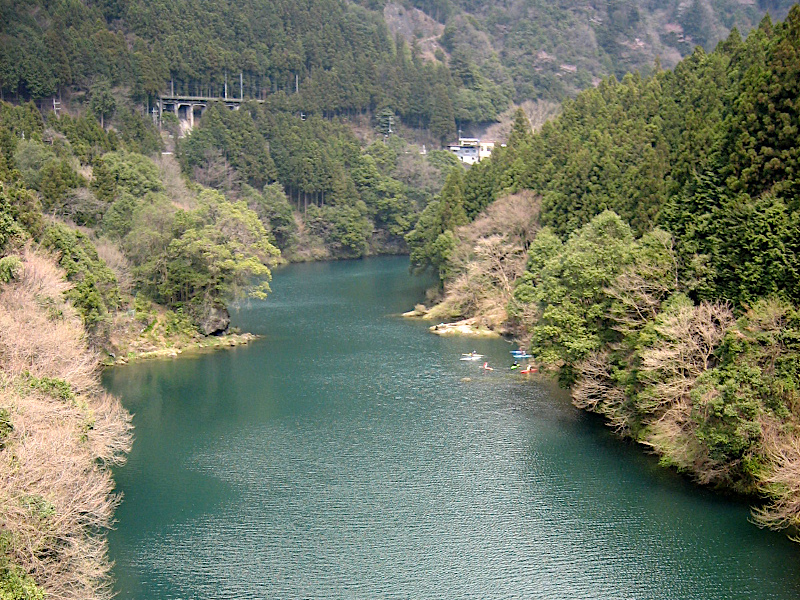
[(647, 249), (552, 49), (329, 57), (334, 57), (645, 243)]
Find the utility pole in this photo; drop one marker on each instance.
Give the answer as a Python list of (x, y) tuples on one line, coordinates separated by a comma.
[(226, 85), (241, 86)]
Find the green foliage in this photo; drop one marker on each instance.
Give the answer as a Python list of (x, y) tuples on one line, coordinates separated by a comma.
[(101, 102), (442, 119), (132, 173), (104, 181), (762, 132), (87, 139), (30, 157), (344, 228), (20, 213), (15, 584), (386, 121), (273, 208), (6, 426), (118, 218), (432, 241), (9, 227), (386, 199), (10, 268), (706, 152), (23, 121), (54, 387), (349, 199), (177, 322), (570, 288), (138, 132), (234, 134), (193, 259), (95, 291), (57, 178), (443, 160), (759, 361)]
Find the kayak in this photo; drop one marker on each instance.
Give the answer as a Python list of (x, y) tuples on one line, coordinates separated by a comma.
[(471, 356), (528, 369), (518, 355)]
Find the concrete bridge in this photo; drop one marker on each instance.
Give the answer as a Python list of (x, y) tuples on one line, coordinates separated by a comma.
[(189, 108)]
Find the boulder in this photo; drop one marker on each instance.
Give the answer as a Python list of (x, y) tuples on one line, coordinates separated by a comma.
[(215, 321)]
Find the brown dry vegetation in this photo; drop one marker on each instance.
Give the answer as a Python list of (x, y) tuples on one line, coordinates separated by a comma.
[(783, 478), (670, 369), (110, 253), (417, 28), (56, 490), (685, 349), (491, 255), (538, 112), (175, 183)]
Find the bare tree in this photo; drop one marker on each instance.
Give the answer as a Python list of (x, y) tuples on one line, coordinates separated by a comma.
[(491, 255), (216, 172), (782, 483), (688, 339), (597, 391), (56, 490)]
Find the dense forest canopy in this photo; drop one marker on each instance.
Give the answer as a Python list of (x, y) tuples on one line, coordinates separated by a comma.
[(334, 57), (552, 49)]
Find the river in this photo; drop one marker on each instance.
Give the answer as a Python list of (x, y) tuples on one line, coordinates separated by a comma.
[(349, 453)]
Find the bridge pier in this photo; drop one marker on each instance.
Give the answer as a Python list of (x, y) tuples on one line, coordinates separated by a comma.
[(190, 108)]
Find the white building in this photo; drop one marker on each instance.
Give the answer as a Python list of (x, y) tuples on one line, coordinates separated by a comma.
[(485, 149), (471, 150)]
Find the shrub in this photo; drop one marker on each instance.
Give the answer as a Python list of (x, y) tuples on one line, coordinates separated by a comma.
[(10, 268)]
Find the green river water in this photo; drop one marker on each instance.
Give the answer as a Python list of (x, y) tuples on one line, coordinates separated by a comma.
[(349, 453)]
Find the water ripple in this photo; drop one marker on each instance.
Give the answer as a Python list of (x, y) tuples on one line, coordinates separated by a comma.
[(357, 457)]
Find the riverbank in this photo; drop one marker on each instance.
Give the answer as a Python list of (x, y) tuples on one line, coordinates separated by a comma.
[(149, 331), (196, 346), (471, 327)]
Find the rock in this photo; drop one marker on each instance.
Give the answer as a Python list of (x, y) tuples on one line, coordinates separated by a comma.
[(467, 327), (216, 321)]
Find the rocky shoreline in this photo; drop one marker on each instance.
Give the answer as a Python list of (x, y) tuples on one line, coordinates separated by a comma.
[(198, 346), (467, 327)]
